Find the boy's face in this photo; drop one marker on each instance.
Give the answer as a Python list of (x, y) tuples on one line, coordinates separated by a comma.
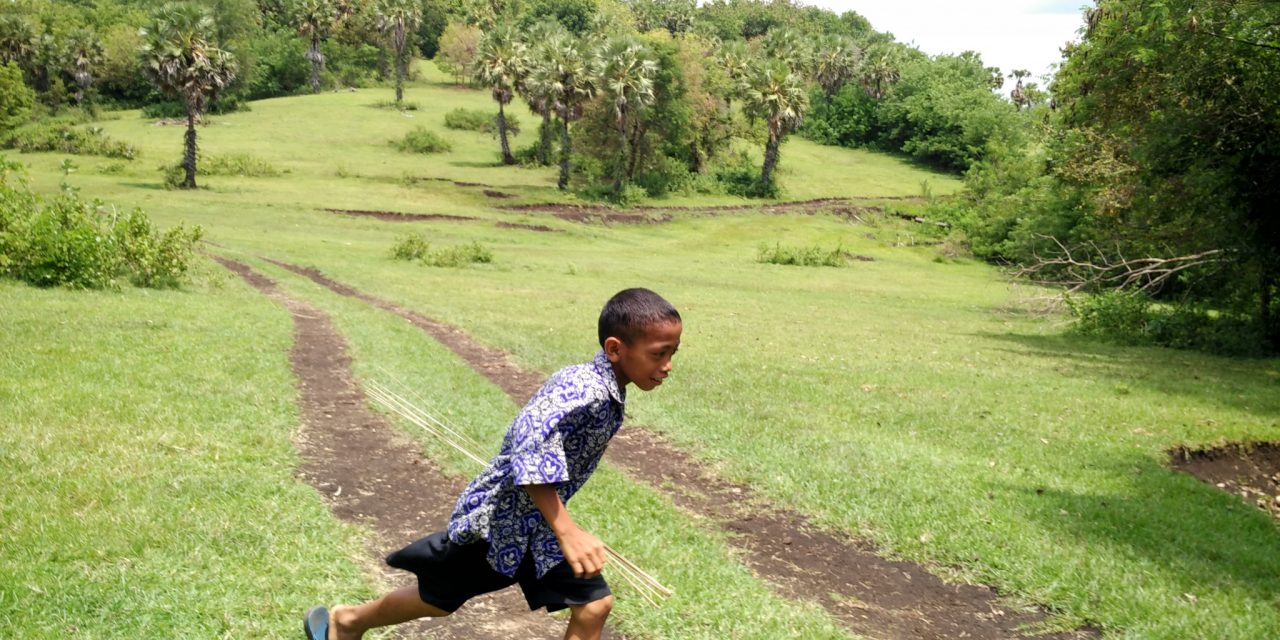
[(645, 362)]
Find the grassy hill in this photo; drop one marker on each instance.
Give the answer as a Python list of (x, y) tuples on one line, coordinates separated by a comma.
[(906, 398)]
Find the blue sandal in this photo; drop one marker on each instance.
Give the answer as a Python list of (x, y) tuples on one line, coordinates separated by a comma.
[(316, 624)]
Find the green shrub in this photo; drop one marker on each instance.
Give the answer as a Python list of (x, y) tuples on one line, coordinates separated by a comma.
[(238, 164), (479, 120), (422, 140), (1133, 319), (176, 110), (800, 256), (62, 137), (65, 241), (745, 182), (391, 104), (414, 246)]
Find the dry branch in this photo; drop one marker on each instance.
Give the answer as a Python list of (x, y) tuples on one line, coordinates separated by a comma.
[(1090, 268)]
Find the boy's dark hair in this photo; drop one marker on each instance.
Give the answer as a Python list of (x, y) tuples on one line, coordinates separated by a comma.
[(629, 312)]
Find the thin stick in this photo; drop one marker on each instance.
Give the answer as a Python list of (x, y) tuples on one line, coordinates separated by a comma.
[(644, 584)]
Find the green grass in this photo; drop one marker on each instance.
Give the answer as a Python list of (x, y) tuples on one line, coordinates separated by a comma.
[(149, 472), (905, 400)]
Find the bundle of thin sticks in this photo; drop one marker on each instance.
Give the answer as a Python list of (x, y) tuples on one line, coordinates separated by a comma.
[(646, 585)]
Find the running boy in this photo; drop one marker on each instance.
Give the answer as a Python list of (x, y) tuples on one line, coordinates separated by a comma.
[(510, 525)]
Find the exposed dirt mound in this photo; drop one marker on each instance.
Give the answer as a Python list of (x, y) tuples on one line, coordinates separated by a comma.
[(873, 596), (394, 216), (371, 474), (1251, 471)]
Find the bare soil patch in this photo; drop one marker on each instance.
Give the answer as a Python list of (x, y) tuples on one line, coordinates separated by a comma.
[(394, 216), (872, 595), (1248, 470), (373, 475), (596, 213)]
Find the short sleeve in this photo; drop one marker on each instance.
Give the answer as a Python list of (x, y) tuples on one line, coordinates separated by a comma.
[(537, 454)]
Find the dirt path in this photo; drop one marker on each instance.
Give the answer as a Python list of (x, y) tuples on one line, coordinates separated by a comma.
[(372, 475), (871, 595)]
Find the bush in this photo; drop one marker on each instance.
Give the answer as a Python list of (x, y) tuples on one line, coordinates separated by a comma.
[(62, 137), (800, 256), (422, 140), (414, 246), (65, 241), (1133, 319), (176, 110), (745, 182), (479, 120), (234, 164), (391, 104)]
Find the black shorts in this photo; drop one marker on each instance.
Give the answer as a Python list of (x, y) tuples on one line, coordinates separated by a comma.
[(449, 574)]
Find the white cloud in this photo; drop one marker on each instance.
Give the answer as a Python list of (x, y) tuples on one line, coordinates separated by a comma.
[(1010, 34)]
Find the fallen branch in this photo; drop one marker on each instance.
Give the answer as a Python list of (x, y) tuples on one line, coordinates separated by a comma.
[(1096, 270)]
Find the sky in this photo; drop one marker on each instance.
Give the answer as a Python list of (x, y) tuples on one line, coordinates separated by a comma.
[(1010, 34)]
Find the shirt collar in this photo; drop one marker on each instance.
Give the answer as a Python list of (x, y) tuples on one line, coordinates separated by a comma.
[(605, 369)]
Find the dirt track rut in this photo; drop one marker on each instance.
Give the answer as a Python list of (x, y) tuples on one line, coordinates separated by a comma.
[(871, 595)]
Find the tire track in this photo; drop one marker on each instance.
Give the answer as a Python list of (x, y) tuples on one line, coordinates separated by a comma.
[(873, 596), (371, 475)]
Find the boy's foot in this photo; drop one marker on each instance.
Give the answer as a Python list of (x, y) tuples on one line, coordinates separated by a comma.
[(316, 623)]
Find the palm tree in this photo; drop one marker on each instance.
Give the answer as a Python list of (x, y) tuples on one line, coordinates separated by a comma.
[(776, 94), (836, 60), (1019, 94), (736, 60), (538, 40), (181, 61), (84, 52), (398, 18), (880, 71), (790, 48), (316, 19), (17, 40), (564, 78), (501, 65), (626, 77)]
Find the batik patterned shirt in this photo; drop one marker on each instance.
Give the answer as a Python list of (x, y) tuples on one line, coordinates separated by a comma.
[(558, 438)]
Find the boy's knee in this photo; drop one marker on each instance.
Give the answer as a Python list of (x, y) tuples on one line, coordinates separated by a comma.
[(594, 612)]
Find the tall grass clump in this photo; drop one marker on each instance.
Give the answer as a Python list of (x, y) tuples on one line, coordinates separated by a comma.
[(415, 247), (800, 256), (479, 120), (422, 140), (66, 241), (235, 164)]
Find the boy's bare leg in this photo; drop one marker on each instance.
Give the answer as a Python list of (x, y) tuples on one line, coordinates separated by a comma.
[(587, 620), (402, 605)]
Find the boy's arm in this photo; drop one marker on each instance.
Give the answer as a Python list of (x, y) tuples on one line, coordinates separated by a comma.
[(583, 551)]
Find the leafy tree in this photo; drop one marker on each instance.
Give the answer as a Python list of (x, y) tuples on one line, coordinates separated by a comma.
[(676, 16), (16, 98), (17, 40), (398, 19), (459, 45), (626, 80), (563, 75), (880, 70), (1019, 94), (316, 21), (577, 16), (181, 61), (501, 65), (775, 94), (1183, 97)]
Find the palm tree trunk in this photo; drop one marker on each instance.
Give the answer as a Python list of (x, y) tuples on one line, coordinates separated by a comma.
[(313, 52), (564, 155), (634, 141), (189, 155), (544, 142), (770, 158), (502, 135), (400, 73), (624, 163)]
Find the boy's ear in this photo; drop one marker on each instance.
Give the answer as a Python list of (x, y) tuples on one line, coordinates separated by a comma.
[(613, 348)]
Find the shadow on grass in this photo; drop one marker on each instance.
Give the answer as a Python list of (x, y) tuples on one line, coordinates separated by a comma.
[(154, 186), (476, 164), (1250, 385), (1200, 537)]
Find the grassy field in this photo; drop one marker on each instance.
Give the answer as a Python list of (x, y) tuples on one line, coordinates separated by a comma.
[(910, 400)]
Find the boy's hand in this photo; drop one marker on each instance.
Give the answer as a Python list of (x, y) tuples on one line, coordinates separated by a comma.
[(583, 551)]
